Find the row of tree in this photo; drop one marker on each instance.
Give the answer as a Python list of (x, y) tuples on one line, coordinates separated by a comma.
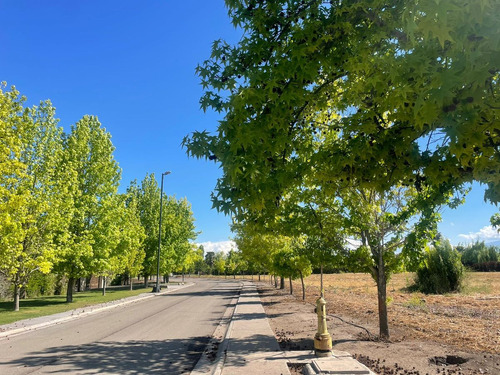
[(60, 210), (353, 119), (219, 263), (479, 256)]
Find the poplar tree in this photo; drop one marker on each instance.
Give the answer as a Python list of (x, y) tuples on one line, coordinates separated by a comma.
[(39, 223), (13, 121), (177, 230), (131, 237), (45, 222), (148, 205), (93, 181)]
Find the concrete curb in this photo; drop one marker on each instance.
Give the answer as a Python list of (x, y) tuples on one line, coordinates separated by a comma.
[(221, 355), (77, 313), (220, 340)]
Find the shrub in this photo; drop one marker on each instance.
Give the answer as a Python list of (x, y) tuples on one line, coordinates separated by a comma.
[(41, 285), (442, 270)]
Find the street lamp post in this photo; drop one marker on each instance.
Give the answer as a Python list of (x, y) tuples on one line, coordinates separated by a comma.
[(157, 287)]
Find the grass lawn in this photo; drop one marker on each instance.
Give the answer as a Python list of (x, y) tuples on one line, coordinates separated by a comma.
[(41, 306)]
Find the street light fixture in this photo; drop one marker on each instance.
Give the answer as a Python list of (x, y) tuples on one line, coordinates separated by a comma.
[(157, 286)]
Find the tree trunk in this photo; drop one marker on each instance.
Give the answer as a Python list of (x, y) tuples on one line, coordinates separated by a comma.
[(69, 291), (104, 285), (303, 286), (183, 277), (146, 279), (382, 298), (131, 282), (234, 275), (282, 282), (275, 281), (16, 295), (291, 286), (259, 276)]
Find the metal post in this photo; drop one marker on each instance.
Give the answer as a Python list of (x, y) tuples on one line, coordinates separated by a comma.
[(157, 287)]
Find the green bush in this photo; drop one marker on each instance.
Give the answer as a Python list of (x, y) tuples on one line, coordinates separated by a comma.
[(442, 270), (41, 285)]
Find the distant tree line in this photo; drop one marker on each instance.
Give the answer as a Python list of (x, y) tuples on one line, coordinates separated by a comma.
[(219, 263), (480, 257), (61, 216)]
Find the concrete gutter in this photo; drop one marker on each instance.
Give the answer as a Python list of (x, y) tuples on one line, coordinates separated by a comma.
[(212, 359)]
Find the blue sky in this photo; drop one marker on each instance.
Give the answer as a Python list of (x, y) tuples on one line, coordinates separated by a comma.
[(132, 64)]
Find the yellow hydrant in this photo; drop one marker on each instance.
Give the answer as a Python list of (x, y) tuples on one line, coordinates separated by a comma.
[(322, 339)]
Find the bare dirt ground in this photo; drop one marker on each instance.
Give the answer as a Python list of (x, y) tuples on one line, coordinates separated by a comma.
[(430, 334)]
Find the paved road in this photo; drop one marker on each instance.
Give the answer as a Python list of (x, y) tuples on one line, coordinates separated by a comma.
[(161, 335)]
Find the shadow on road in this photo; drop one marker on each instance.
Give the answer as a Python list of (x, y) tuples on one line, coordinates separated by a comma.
[(175, 356), (226, 293)]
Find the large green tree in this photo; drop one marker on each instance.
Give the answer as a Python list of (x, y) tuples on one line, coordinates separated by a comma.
[(220, 262), (148, 204), (131, 237), (44, 222), (255, 246), (259, 246), (234, 262), (194, 259), (363, 95), (93, 183), (177, 230), (411, 88), (13, 121), (35, 179)]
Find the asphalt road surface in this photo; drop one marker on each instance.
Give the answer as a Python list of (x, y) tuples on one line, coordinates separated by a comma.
[(162, 335)]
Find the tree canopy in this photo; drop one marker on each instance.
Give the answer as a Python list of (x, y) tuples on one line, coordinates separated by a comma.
[(326, 103), (408, 92)]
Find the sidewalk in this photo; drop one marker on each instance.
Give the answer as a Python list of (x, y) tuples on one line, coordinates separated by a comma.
[(250, 347)]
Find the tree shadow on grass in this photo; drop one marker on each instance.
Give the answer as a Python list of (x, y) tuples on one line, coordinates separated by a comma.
[(173, 356), (34, 302)]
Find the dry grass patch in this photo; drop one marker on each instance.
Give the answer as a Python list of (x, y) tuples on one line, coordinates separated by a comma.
[(468, 320)]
